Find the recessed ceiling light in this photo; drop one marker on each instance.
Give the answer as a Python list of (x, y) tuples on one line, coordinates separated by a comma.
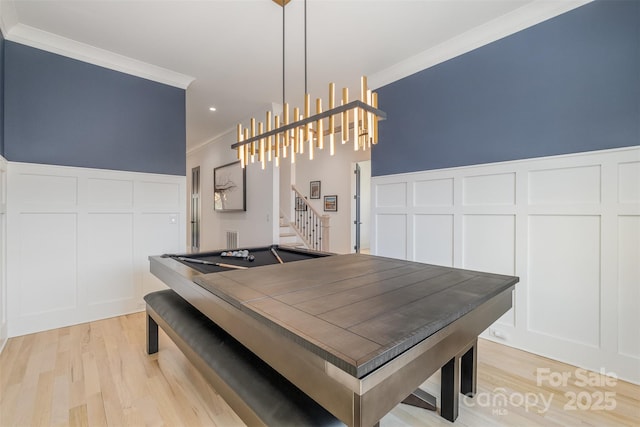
[(212, 108)]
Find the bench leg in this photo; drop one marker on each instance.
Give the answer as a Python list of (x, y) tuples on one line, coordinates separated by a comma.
[(469, 371), (450, 389), (152, 335)]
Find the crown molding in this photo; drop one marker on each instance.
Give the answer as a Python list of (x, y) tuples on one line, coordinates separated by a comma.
[(50, 42), (8, 16), (496, 29)]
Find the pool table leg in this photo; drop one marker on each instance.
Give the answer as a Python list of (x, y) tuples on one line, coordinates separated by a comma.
[(152, 335), (450, 389), (469, 370)]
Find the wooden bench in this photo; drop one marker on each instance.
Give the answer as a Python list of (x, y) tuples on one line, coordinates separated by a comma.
[(254, 390)]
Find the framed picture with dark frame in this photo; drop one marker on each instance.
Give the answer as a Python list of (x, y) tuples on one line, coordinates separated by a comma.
[(229, 188), (314, 190), (331, 203)]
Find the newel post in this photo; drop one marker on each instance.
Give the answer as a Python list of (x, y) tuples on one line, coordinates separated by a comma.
[(324, 221)]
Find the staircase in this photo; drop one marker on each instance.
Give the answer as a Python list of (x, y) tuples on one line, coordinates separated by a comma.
[(288, 236), (309, 228)]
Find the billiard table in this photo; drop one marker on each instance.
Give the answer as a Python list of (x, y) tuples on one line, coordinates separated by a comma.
[(357, 333), (215, 262)]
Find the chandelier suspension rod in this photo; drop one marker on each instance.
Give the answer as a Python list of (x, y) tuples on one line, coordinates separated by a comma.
[(283, 57), (339, 109), (305, 47)]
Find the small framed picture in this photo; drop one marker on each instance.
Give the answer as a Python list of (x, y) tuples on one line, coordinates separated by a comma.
[(331, 203), (314, 190)]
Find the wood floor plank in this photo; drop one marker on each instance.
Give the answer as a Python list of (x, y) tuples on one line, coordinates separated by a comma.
[(98, 374)]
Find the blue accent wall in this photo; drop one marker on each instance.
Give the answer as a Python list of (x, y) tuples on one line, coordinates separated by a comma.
[(61, 111), (570, 84)]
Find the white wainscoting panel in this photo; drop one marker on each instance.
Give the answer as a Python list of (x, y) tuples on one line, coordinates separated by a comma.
[(156, 236), (393, 230), (629, 182), (568, 226), (435, 192), (48, 259), (565, 186), (564, 271), (392, 195), (48, 190), (3, 253), (109, 193), (429, 229), (629, 280), (112, 272), (498, 189), (79, 239)]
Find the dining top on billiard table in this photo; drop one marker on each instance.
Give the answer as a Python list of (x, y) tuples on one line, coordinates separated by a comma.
[(263, 255)]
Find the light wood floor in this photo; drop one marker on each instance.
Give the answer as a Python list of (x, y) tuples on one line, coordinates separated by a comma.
[(99, 374)]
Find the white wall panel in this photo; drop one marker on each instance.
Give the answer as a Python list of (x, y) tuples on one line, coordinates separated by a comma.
[(159, 194), (3, 253), (109, 258), (489, 245), (392, 229), (112, 193), (434, 192), (568, 226), (78, 240), (391, 195), (47, 190), (564, 271), (573, 185), (629, 182), (629, 285), (157, 236), (497, 189), (433, 239), (48, 258)]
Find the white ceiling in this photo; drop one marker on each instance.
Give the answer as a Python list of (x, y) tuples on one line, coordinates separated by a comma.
[(232, 49)]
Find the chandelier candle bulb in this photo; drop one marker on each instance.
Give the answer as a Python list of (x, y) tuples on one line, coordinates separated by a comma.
[(253, 133), (307, 114), (363, 88), (261, 142), (356, 133), (369, 119), (319, 125), (332, 126), (276, 123), (285, 121), (296, 134), (374, 101), (239, 137), (270, 138), (240, 148), (344, 128)]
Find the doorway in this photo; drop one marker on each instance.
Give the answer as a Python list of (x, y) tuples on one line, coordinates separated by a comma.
[(195, 209), (361, 195)]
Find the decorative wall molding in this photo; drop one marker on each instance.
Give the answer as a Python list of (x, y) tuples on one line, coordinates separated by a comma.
[(3, 253), (79, 240), (521, 18), (50, 42), (568, 226)]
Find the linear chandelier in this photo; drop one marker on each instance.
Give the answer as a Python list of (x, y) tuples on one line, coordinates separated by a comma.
[(286, 136)]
